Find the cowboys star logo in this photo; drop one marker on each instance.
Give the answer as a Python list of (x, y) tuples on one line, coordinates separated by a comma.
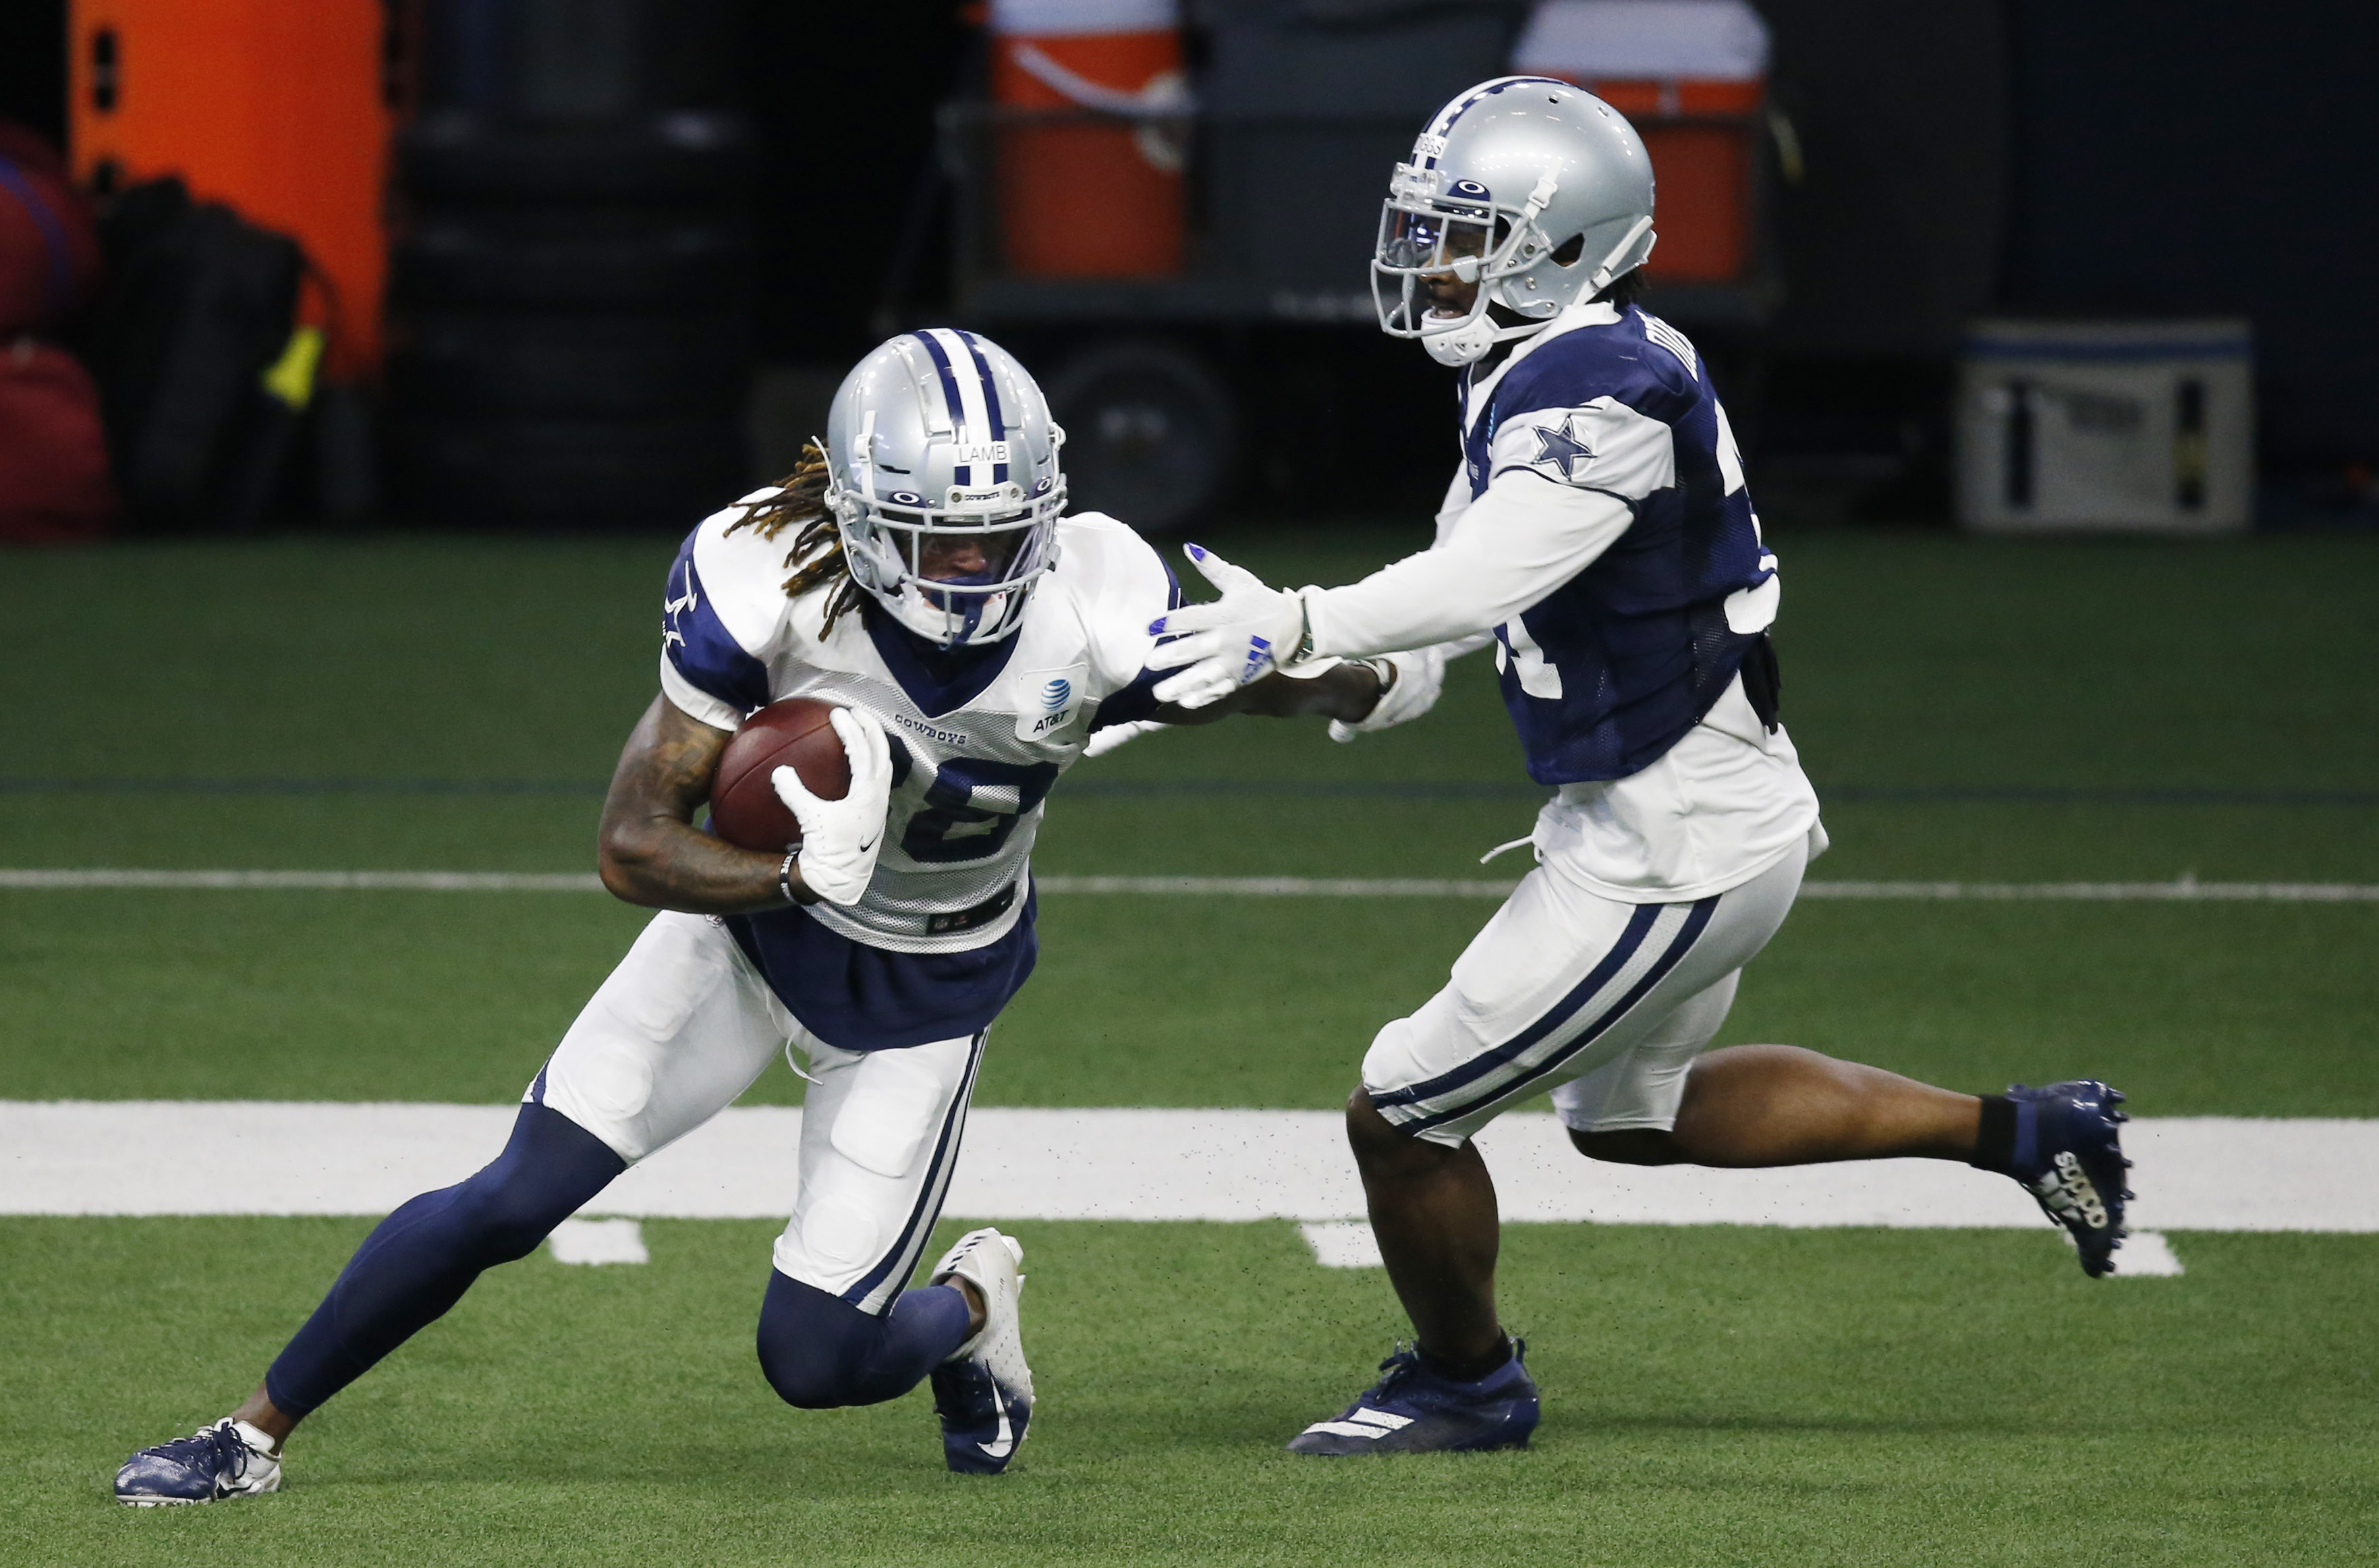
[(1560, 446)]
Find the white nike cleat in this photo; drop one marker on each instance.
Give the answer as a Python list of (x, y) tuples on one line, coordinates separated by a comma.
[(983, 1393), (229, 1459)]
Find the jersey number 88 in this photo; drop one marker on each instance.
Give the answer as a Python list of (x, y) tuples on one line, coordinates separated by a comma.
[(952, 826)]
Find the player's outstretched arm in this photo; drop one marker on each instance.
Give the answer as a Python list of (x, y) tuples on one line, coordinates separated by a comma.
[(1346, 693), (649, 850)]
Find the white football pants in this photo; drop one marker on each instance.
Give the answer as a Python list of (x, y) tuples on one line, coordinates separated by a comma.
[(683, 1026), (1605, 1003)]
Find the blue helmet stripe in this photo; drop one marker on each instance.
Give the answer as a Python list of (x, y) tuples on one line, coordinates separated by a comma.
[(1454, 111), (951, 404), (990, 399)]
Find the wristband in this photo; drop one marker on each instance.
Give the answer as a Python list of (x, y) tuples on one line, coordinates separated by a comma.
[(785, 876), (1304, 632)]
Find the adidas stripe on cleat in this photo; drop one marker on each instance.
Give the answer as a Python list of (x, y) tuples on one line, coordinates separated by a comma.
[(1414, 1409), (2069, 1157), (229, 1459)]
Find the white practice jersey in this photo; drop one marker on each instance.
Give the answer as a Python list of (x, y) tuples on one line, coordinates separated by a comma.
[(975, 753)]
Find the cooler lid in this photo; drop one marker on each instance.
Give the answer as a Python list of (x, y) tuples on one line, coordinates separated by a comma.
[(1640, 39), (1075, 19), (2216, 337)]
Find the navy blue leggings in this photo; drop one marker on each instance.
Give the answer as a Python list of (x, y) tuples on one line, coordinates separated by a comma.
[(817, 1350)]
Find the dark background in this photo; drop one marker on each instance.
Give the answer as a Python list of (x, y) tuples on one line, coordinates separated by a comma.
[(2116, 158)]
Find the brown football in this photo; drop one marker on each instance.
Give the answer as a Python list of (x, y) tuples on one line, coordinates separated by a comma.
[(793, 733)]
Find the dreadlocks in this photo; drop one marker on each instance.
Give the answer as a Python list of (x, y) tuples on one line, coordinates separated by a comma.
[(817, 556)]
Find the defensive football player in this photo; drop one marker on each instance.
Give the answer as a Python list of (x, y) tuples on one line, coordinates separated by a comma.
[(1600, 538), (920, 574)]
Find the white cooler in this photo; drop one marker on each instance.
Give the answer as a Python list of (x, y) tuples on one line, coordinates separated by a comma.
[(2144, 426)]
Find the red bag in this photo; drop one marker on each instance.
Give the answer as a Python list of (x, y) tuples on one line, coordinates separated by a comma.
[(54, 487), (49, 252)]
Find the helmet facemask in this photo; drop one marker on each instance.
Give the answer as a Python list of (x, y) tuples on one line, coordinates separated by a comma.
[(1463, 232), (1455, 209), (901, 546)]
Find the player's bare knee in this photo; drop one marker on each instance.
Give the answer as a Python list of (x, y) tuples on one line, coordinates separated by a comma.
[(1381, 1146), (1366, 1128), (1629, 1146)]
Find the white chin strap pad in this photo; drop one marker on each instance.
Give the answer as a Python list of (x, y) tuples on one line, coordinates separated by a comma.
[(1466, 345), (1469, 344)]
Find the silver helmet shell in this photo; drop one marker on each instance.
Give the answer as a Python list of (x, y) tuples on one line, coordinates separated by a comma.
[(1536, 190), (937, 440)]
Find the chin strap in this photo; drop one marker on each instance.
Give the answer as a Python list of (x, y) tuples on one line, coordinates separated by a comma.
[(1470, 343), (1603, 274)]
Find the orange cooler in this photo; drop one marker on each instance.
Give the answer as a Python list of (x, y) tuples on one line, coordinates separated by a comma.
[(1691, 77), (1090, 200), (273, 107)]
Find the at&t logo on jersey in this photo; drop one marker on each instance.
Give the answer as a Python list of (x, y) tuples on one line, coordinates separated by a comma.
[(1053, 707)]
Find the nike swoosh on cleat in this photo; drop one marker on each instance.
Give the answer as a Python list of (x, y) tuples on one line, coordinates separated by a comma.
[(999, 1447), (869, 845)]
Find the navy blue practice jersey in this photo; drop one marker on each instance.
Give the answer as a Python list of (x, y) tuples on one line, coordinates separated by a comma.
[(1610, 669)]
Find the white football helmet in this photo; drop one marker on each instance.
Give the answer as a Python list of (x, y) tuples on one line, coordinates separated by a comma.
[(939, 446), (1539, 192)]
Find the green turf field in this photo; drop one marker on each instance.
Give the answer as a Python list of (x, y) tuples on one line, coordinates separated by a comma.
[(1745, 1396), (2005, 712)]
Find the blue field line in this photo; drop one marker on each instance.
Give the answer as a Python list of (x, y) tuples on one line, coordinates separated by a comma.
[(1123, 790)]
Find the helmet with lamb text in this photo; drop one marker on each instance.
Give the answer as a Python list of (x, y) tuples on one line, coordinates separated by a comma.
[(937, 440)]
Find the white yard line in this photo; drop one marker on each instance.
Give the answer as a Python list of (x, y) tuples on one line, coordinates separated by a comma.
[(599, 1241), (373, 881), (139, 1157), (1349, 1244), (2186, 890)]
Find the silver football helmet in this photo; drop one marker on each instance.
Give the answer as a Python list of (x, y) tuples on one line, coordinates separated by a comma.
[(1539, 192), (942, 474)]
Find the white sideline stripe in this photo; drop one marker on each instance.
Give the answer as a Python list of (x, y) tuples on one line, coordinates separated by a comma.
[(2147, 1255), (599, 1241), (2187, 889), (1343, 1244), (138, 1157)]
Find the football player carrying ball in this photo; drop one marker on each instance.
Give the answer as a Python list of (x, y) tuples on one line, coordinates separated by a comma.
[(919, 573)]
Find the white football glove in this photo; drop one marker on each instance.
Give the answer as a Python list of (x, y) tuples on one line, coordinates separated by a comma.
[(1412, 682), (841, 838), (1233, 642), (1114, 735)]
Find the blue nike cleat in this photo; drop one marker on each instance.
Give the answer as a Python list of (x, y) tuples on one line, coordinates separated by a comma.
[(2069, 1155), (1415, 1410), (983, 1424), (983, 1393), (221, 1460)]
